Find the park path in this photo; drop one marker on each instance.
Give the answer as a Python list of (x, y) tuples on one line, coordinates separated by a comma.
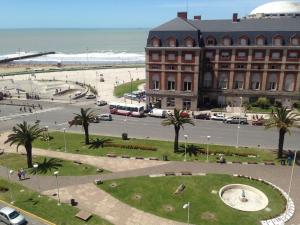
[(111, 164), (94, 200)]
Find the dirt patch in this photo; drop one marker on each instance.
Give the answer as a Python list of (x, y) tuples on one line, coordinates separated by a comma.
[(209, 216), (169, 208), (137, 197), (113, 185)]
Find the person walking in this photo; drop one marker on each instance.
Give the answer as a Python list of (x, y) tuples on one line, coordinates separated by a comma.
[(22, 173), (19, 175)]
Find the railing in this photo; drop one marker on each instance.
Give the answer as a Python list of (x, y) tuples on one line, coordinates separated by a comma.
[(170, 93)]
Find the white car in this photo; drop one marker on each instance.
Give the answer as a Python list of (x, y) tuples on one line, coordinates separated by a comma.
[(218, 117), (11, 216), (90, 96), (158, 113)]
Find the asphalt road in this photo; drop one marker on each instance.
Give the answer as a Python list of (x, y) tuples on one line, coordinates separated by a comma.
[(55, 116), (30, 220)]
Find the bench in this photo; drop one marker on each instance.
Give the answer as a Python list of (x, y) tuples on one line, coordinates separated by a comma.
[(98, 181), (125, 156), (77, 162), (153, 158), (170, 173), (269, 163), (111, 155), (139, 157), (186, 173), (83, 215)]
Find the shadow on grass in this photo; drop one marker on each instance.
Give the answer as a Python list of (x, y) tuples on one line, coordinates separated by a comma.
[(48, 165), (94, 144), (191, 150)]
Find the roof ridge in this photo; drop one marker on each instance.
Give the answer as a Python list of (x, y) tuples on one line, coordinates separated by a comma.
[(191, 25)]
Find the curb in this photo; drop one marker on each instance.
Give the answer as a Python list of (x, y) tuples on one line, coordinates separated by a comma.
[(28, 213)]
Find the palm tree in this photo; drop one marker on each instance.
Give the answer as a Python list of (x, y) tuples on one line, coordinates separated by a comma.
[(283, 119), (23, 135), (84, 118), (177, 119)]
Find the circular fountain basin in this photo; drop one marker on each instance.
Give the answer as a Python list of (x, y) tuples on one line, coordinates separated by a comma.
[(243, 197)]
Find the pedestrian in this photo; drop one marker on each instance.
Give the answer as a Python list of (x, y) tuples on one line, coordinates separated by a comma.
[(19, 175), (22, 173), (290, 158)]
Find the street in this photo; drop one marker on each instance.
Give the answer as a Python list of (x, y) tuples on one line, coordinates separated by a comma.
[(57, 115)]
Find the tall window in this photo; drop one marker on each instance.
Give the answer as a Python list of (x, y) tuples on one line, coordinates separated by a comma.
[(239, 81), (243, 41), (223, 80), (293, 55), (155, 56), (226, 41), (155, 82), (275, 55), (172, 42), (188, 57), (207, 81), (209, 54), (277, 41), (272, 82), (258, 55), (295, 41), (171, 83), (186, 103), (260, 41), (225, 55), (170, 102), (171, 56), (187, 83), (242, 55), (155, 42), (289, 82), (189, 42), (255, 81)]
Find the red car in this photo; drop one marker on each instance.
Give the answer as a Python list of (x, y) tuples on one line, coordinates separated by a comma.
[(259, 122)]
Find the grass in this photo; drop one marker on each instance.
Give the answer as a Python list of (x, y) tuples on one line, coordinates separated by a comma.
[(120, 90), (67, 168), (76, 145), (44, 207), (156, 194), (259, 110)]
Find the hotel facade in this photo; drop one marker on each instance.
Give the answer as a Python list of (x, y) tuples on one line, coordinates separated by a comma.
[(194, 63)]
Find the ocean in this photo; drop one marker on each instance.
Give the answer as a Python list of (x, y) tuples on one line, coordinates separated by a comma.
[(75, 46)]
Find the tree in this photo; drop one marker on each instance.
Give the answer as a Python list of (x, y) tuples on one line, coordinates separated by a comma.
[(24, 135), (84, 118), (177, 119), (283, 119), (263, 103)]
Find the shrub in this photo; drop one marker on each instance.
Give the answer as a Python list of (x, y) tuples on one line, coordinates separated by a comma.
[(296, 104), (263, 103), (130, 146)]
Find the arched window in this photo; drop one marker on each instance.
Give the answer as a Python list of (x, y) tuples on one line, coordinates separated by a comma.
[(187, 83), (272, 82), (189, 42), (295, 40), (171, 82), (223, 80), (155, 82), (227, 41), (239, 81), (255, 81), (172, 42), (208, 80), (155, 42), (260, 40), (243, 41), (289, 82), (277, 40), (210, 40)]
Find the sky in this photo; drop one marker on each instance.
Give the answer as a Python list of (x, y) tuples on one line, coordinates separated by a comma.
[(113, 13)]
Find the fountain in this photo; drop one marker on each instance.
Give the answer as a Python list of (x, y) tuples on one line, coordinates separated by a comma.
[(243, 197)]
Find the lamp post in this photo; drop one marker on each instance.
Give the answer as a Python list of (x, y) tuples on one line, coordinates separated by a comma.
[(130, 87), (56, 175), (64, 129), (185, 138), (9, 173), (36, 166), (290, 185), (207, 147), (187, 206), (239, 125), (48, 138)]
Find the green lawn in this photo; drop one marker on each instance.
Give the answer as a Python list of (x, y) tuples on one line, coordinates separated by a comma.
[(76, 145), (156, 196), (259, 110), (44, 207), (120, 90), (67, 168)]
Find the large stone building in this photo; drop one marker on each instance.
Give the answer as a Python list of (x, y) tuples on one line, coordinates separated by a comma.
[(192, 63)]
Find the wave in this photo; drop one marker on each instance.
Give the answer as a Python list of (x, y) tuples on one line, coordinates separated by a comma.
[(81, 58)]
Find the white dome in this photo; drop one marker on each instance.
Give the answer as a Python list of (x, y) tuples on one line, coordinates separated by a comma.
[(278, 7)]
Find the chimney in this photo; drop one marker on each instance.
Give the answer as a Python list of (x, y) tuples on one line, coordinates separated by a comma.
[(235, 17), (197, 17), (182, 15)]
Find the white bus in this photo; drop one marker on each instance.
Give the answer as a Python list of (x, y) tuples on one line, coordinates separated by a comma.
[(126, 109)]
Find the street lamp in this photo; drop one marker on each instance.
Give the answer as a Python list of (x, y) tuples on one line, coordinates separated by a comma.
[(56, 174), (64, 129), (36, 166), (185, 138), (207, 147), (130, 87), (239, 125), (290, 185), (9, 173), (187, 206), (48, 137)]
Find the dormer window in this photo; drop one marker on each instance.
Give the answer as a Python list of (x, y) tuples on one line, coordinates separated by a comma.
[(243, 41), (189, 42), (172, 42), (155, 42), (260, 41), (277, 41), (210, 41), (227, 41), (295, 41)]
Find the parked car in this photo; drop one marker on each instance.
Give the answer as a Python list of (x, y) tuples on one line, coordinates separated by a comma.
[(185, 114), (105, 117), (158, 113), (77, 93), (95, 120), (236, 120), (11, 216), (101, 102), (90, 96), (218, 117), (259, 122), (202, 116)]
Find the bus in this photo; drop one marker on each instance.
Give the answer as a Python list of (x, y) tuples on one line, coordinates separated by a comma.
[(126, 109)]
